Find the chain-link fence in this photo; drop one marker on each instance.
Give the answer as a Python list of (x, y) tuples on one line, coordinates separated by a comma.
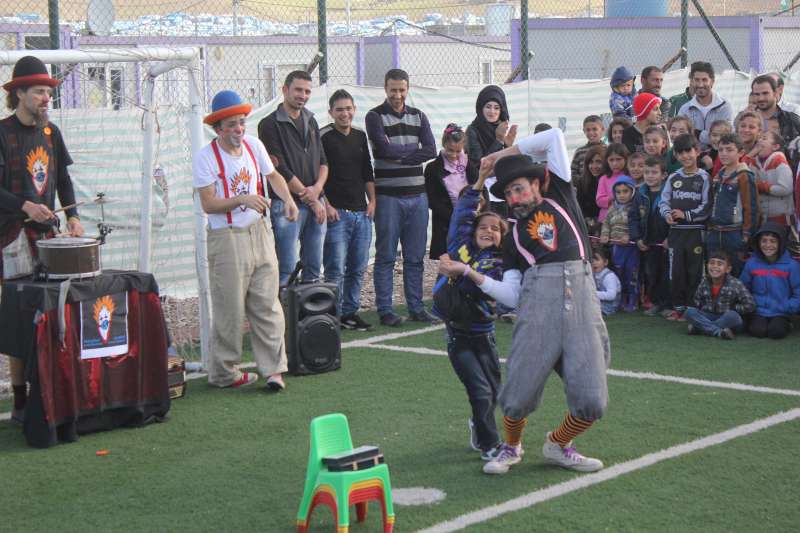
[(251, 45)]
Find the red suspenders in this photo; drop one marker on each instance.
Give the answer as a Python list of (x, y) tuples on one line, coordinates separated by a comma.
[(221, 166)]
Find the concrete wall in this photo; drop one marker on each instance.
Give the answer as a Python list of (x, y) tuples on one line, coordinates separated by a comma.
[(590, 48)]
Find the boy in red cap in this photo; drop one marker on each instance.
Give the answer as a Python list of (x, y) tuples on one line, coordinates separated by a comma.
[(647, 112), (242, 264), (33, 170)]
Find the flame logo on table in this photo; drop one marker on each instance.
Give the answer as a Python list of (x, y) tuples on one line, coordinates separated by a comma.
[(37, 166), (103, 310)]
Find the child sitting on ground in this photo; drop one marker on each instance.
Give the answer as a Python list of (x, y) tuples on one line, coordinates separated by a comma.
[(636, 166), (655, 282), (623, 227), (474, 238), (720, 301), (623, 92), (593, 130), (734, 208), (608, 286), (616, 164), (773, 279)]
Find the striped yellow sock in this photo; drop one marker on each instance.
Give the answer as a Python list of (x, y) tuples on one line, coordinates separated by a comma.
[(513, 429), (570, 428)]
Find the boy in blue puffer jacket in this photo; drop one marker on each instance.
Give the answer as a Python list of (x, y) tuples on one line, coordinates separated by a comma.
[(773, 278), (474, 238), (623, 91)]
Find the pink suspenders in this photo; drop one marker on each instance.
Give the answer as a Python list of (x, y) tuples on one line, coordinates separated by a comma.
[(529, 256)]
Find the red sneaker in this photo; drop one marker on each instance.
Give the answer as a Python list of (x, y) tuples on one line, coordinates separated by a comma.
[(676, 316), (248, 378)]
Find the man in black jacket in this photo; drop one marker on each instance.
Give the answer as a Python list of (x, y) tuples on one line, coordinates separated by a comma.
[(765, 91), (291, 135)]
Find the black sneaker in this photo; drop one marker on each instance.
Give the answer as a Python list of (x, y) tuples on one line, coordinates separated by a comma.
[(354, 322), (423, 316), (727, 334), (392, 320)]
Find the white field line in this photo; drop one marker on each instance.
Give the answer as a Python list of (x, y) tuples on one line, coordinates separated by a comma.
[(629, 374), (612, 472)]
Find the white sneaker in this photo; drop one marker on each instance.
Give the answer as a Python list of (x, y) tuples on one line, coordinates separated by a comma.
[(568, 457), (505, 459)]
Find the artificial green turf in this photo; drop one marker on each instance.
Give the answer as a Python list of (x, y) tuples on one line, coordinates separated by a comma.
[(649, 344), (235, 459)]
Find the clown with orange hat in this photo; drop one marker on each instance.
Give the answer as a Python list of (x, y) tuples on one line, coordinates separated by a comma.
[(229, 175)]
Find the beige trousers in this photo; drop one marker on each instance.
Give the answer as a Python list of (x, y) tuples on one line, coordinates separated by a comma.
[(243, 272)]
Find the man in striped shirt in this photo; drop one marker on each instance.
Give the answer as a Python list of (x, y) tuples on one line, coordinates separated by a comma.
[(401, 141)]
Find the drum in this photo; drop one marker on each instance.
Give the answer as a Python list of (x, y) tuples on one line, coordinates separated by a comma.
[(69, 257)]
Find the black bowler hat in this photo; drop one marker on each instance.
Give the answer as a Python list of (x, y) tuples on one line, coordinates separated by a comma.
[(511, 167), (30, 71)]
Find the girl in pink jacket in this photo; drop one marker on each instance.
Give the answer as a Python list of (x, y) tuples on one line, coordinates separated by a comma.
[(616, 164)]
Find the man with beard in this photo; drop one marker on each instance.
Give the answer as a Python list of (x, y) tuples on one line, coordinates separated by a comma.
[(291, 134), (548, 277), (33, 170), (764, 89), (652, 79), (706, 106)]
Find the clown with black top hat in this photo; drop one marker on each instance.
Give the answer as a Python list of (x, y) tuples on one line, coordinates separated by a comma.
[(230, 175), (548, 278), (33, 171)]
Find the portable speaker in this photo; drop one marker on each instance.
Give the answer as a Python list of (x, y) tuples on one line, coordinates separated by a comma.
[(313, 338)]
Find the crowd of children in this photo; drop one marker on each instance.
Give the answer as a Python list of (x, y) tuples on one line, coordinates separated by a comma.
[(704, 233), (680, 230)]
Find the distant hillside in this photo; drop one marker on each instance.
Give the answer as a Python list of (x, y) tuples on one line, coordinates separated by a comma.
[(305, 10)]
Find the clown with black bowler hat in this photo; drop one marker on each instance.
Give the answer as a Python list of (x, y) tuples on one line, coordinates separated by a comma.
[(33, 171), (229, 175), (548, 278)]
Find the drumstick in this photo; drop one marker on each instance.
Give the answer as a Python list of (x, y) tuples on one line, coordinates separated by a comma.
[(673, 59), (61, 209)]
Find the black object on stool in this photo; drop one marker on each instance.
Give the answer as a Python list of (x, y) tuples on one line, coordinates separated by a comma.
[(313, 337)]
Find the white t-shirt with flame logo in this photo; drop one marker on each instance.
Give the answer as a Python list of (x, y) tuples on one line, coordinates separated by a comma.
[(240, 173)]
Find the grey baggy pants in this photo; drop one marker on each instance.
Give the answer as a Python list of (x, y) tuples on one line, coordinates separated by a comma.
[(559, 327)]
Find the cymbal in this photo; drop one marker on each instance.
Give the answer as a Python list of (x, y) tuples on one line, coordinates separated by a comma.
[(102, 200)]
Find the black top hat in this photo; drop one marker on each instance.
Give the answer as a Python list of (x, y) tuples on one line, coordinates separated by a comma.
[(511, 167), (29, 71)]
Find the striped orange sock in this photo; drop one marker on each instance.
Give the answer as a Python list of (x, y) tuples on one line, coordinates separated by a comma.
[(570, 428), (513, 429)]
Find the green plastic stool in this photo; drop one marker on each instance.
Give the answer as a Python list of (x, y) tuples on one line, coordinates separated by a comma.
[(330, 434)]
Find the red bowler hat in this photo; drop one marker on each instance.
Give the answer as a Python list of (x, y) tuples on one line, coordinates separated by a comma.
[(226, 104), (30, 71)]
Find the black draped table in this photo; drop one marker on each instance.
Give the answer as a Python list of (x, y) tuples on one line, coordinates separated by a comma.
[(97, 362)]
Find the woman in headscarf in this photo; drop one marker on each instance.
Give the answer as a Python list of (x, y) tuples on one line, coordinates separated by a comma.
[(490, 132)]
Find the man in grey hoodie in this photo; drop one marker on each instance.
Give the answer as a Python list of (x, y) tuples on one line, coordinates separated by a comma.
[(706, 106)]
